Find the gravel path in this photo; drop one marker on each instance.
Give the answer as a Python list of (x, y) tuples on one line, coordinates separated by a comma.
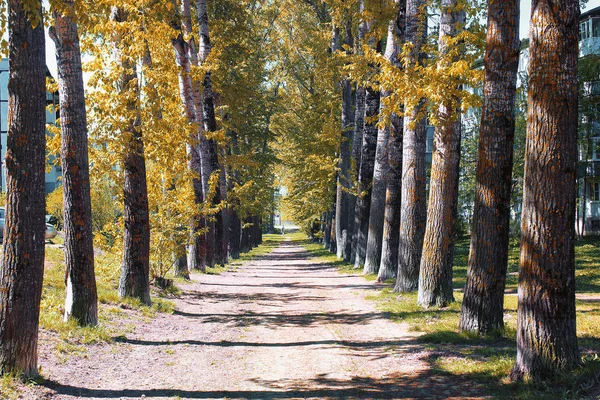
[(281, 326)]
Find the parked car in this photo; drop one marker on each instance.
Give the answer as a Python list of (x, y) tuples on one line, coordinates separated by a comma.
[(51, 231)]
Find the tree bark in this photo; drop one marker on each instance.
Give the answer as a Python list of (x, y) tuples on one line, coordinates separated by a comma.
[(343, 196), (327, 230), (135, 269), (184, 53), (385, 218), (357, 144), (365, 178), (245, 238), (377, 203), (413, 209), (81, 301), (236, 234), (215, 253), (546, 328), (483, 302), (332, 226), (22, 269), (435, 277)]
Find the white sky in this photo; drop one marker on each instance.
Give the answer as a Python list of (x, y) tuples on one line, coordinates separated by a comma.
[(524, 30)]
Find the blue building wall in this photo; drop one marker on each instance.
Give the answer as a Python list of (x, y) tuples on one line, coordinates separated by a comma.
[(53, 176)]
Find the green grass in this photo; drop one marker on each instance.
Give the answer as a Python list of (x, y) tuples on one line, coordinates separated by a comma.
[(107, 268), (488, 360)]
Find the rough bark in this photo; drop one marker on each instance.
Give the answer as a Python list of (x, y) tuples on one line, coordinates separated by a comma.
[(377, 204), (332, 242), (81, 301), (135, 268), (365, 177), (236, 234), (245, 238), (343, 196), (357, 143), (22, 269), (327, 230), (391, 224), (413, 207), (483, 302), (215, 251), (435, 276), (384, 217), (184, 53), (546, 328), (225, 214)]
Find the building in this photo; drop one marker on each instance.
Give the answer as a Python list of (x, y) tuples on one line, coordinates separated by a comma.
[(53, 172), (588, 213)]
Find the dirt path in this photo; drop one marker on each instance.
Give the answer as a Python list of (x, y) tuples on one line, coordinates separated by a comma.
[(282, 326)]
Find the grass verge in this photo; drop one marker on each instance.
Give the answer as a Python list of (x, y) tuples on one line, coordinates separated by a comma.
[(487, 360)]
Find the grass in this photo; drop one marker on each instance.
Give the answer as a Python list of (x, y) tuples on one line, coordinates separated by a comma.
[(107, 268), (488, 360)]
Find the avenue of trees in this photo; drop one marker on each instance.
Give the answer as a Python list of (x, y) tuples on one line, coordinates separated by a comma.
[(407, 64), (194, 111)]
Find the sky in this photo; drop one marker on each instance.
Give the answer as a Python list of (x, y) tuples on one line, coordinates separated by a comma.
[(524, 30)]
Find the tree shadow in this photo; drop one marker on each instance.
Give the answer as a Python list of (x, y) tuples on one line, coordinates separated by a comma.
[(277, 320)]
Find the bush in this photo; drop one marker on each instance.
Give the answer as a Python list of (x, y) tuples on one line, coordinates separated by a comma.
[(103, 207)]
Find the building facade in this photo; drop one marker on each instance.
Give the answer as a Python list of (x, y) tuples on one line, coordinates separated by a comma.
[(53, 172)]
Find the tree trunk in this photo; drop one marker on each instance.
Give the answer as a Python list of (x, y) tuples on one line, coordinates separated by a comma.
[(135, 269), (483, 302), (332, 242), (546, 329), (215, 248), (245, 238), (236, 234), (180, 266), (359, 126), (357, 145), (81, 299), (224, 215), (365, 178), (435, 278), (413, 211), (327, 230), (184, 53), (377, 204), (343, 196), (22, 269), (387, 171)]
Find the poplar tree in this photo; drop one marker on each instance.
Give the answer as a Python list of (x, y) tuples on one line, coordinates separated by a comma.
[(413, 200), (81, 298), (483, 301), (22, 267), (391, 223), (135, 268), (435, 275), (546, 327)]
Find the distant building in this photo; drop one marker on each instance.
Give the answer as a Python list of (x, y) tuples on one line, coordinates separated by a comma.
[(588, 213), (52, 177)]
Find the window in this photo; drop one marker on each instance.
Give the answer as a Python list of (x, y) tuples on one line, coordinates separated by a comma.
[(596, 149), (595, 191), (584, 31), (595, 22)]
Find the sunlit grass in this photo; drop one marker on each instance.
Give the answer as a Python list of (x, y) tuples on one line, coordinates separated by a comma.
[(107, 269), (489, 360)]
